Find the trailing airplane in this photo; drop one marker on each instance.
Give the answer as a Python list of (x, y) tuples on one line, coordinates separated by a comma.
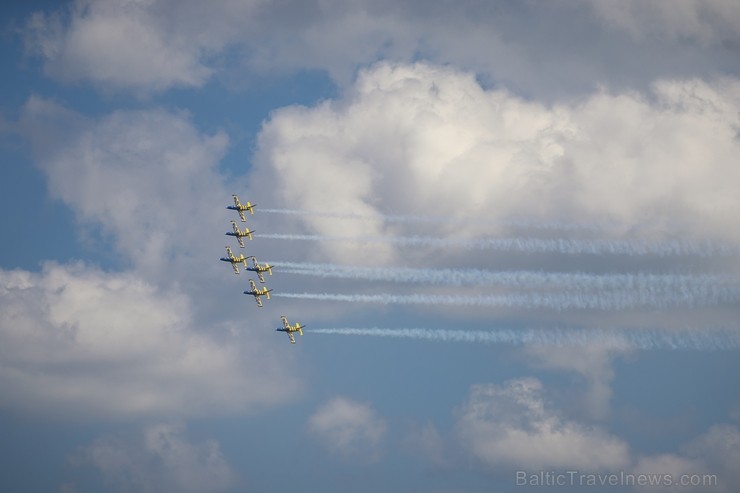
[(240, 234), (259, 269), (290, 329), (240, 208), (256, 292), (241, 259)]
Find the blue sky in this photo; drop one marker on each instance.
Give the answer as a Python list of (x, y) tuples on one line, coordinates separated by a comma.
[(556, 183)]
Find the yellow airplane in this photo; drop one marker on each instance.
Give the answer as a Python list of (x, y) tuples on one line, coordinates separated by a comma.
[(259, 269), (240, 234), (290, 329), (254, 291), (240, 208), (241, 259)]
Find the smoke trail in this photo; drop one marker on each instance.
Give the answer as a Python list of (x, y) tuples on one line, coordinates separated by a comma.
[(566, 246), (698, 286), (407, 218), (645, 339), (612, 300)]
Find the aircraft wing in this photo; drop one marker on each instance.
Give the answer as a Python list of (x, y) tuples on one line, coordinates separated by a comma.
[(258, 300), (292, 337), (236, 269), (241, 215), (240, 240)]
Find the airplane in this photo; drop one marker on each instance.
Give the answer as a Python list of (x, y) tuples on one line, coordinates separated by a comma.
[(240, 234), (290, 329), (241, 259), (254, 291), (240, 208), (259, 269)]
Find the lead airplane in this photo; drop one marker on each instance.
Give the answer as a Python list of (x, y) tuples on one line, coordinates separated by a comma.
[(240, 234), (290, 329), (240, 208), (256, 292), (259, 269), (241, 259)]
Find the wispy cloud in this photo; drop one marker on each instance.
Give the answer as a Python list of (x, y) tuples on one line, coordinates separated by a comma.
[(349, 428), (159, 458)]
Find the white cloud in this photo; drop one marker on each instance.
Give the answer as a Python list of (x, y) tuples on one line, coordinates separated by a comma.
[(348, 428), (425, 139), (77, 342), (719, 449), (593, 363), (153, 45), (708, 463), (708, 22), (118, 45), (161, 458), (146, 184), (512, 426), (147, 177)]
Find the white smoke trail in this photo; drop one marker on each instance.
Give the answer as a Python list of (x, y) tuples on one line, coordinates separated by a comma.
[(698, 286), (415, 218), (566, 246), (612, 300), (645, 339)]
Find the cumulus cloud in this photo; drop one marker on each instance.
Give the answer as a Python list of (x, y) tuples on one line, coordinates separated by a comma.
[(348, 428), (77, 342), (512, 426), (160, 458), (426, 139)]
